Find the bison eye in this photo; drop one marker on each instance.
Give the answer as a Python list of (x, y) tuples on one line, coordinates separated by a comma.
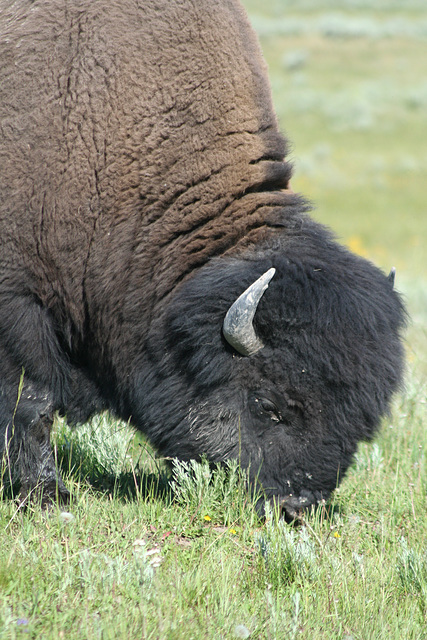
[(269, 407)]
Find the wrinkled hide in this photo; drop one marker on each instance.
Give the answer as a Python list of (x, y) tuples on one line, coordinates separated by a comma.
[(143, 188)]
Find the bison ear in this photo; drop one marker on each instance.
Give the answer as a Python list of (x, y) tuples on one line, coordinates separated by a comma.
[(237, 328), (391, 276)]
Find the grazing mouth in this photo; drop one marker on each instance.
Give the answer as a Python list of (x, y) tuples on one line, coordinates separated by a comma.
[(291, 507)]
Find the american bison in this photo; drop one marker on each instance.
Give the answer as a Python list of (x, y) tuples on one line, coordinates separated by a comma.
[(155, 262)]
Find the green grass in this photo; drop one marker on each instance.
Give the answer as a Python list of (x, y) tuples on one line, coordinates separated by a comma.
[(194, 561), (139, 558)]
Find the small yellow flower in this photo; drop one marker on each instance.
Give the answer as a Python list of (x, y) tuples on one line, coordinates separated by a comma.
[(336, 534), (207, 518), (233, 532)]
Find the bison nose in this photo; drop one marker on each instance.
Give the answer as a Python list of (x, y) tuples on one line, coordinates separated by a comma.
[(292, 507)]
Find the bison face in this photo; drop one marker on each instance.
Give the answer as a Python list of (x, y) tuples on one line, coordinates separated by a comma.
[(325, 359)]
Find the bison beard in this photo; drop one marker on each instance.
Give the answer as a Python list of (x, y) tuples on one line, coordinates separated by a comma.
[(144, 189)]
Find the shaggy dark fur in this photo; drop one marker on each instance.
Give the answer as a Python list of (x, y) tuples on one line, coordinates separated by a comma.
[(144, 186)]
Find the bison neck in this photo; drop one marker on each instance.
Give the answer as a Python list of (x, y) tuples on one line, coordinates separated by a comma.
[(138, 270)]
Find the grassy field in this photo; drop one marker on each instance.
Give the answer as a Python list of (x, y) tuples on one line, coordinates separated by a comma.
[(129, 561)]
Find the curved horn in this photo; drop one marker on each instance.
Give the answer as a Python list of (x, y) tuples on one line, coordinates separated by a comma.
[(237, 328), (391, 276)]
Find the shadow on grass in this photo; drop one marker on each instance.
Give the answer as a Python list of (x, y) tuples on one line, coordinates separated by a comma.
[(136, 484), (126, 486)]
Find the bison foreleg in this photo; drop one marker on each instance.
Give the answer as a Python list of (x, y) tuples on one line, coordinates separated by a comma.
[(39, 478), (28, 460), (34, 382)]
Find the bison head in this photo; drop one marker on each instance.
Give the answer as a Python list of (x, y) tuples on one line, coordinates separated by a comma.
[(289, 378)]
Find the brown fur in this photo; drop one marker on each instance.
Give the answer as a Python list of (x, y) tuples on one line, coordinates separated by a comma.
[(131, 140)]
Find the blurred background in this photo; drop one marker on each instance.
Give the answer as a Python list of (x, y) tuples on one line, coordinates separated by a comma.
[(349, 82)]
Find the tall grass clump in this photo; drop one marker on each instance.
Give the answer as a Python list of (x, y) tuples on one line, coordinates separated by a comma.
[(110, 456), (98, 450), (218, 492), (287, 553), (412, 571)]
